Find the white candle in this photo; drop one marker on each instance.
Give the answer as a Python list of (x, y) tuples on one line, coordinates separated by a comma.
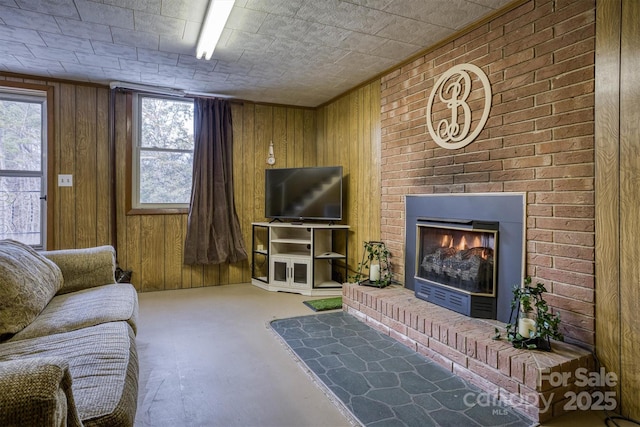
[(526, 327), (374, 273)]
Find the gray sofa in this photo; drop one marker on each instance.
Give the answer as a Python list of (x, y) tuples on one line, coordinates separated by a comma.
[(67, 339)]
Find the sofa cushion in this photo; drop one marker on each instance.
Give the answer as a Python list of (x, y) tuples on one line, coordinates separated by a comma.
[(28, 281), (81, 309), (104, 369), (37, 392), (85, 268)]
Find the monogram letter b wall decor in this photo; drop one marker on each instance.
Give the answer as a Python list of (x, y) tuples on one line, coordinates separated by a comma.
[(452, 91)]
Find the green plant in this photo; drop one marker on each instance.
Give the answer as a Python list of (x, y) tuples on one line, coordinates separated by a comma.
[(374, 252), (528, 301)]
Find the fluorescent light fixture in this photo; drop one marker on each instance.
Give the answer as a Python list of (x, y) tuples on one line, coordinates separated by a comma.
[(214, 21)]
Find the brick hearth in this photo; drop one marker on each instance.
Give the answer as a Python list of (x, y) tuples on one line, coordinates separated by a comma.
[(465, 346)]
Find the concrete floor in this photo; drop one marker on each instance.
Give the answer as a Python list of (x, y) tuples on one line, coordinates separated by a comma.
[(208, 358)]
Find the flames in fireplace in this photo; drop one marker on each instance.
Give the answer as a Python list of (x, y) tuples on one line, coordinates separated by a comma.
[(458, 258), (448, 242)]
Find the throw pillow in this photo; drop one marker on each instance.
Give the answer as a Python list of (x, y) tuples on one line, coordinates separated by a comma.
[(28, 281)]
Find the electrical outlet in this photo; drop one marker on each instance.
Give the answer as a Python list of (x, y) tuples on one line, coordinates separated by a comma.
[(65, 180)]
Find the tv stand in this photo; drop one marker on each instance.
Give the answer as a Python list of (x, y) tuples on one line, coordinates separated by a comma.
[(309, 259)]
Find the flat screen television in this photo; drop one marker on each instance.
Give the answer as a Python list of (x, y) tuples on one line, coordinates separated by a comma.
[(300, 194)]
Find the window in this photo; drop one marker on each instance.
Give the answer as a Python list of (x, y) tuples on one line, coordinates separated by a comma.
[(23, 142), (162, 158)]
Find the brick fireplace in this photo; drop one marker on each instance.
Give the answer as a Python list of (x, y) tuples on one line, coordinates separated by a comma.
[(539, 140)]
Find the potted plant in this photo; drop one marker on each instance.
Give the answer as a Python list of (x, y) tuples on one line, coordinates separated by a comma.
[(534, 325), (375, 259)]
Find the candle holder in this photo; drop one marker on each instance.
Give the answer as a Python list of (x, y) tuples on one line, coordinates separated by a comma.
[(374, 269), (533, 325)]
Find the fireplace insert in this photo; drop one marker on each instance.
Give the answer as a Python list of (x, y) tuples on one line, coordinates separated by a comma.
[(452, 255), (456, 265)]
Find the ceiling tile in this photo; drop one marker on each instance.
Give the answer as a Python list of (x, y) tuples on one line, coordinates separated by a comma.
[(396, 50), (114, 50), (184, 45), (283, 27), (192, 10), (26, 19), (98, 60), (75, 44), (278, 7), (151, 6), (191, 61), (53, 54), (41, 64), (64, 8), (248, 41), (29, 37), (88, 30), (244, 19), (14, 48), (143, 67), (413, 31), (179, 72), (150, 55), (158, 24), (136, 39), (105, 14)]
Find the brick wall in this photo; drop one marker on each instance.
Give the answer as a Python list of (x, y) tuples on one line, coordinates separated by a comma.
[(539, 139)]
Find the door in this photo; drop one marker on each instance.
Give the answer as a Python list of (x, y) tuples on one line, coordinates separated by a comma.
[(23, 155), (291, 272), (280, 271)]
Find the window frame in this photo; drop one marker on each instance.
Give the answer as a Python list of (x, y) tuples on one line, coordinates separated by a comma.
[(41, 95), (134, 207)]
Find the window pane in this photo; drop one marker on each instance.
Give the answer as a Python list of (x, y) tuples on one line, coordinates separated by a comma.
[(20, 135), (20, 209), (165, 177), (166, 123)]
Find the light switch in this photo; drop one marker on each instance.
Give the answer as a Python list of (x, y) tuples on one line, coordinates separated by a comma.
[(65, 180)]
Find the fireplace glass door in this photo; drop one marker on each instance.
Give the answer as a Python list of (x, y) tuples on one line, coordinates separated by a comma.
[(459, 258)]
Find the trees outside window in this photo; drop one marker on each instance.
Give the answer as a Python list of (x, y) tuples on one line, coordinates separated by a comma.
[(22, 166), (163, 152)]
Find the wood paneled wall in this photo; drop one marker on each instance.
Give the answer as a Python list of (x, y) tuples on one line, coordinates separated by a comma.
[(81, 214), (349, 135), (344, 132), (618, 196), (152, 245)]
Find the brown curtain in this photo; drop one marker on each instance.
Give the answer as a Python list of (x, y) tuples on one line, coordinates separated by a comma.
[(213, 229)]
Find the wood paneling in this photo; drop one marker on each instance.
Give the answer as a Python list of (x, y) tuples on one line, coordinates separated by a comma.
[(630, 207), (152, 245), (66, 160), (349, 135), (103, 186), (618, 196), (78, 216), (607, 184), (86, 162)]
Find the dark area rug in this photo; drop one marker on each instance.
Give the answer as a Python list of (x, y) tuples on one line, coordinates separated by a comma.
[(382, 382)]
